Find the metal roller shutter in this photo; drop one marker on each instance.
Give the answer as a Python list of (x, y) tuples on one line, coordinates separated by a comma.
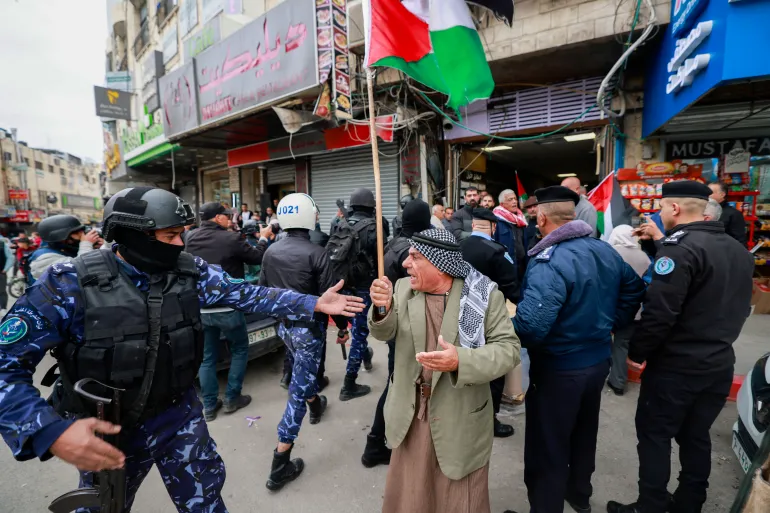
[(335, 175), (280, 173)]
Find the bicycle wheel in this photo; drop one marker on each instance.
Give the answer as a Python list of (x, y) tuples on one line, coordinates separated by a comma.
[(17, 287)]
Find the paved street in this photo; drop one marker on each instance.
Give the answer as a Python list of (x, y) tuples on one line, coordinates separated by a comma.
[(335, 480)]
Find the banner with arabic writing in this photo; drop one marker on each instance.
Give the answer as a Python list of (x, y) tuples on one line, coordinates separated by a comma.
[(272, 57)]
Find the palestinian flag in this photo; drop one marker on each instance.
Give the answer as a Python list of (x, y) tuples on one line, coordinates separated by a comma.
[(432, 41), (612, 208), (523, 196)]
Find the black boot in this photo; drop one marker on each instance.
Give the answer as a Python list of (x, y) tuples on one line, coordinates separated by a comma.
[(503, 430), (577, 504), (285, 380), (616, 507), (322, 383), (368, 359), (317, 408), (376, 452), (351, 389), (284, 469)]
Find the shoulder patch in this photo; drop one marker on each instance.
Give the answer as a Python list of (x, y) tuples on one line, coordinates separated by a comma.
[(664, 266), (546, 254), (675, 237), (12, 330)]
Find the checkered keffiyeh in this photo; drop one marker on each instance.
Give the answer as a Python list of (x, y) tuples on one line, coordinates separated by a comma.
[(442, 250)]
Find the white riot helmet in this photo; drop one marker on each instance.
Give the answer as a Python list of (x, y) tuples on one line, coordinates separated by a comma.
[(297, 210)]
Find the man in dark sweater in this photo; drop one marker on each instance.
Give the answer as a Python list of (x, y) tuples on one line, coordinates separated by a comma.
[(215, 244), (462, 220), (735, 223)]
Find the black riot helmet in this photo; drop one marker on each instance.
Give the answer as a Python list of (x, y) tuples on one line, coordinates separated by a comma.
[(362, 197), (131, 218), (404, 200), (145, 209), (58, 228)]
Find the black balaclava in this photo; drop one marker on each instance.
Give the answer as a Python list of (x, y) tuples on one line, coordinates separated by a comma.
[(145, 253), (415, 217), (68, 247)]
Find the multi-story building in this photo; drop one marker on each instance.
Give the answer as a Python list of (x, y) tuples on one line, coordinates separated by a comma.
[(37, 182)]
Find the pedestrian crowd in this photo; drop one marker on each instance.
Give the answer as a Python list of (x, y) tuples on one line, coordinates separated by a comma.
[(474, 303)]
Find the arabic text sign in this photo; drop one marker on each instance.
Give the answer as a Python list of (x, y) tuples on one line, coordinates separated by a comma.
[(112, 103), (271, 57), (209, 34), (177, 99)]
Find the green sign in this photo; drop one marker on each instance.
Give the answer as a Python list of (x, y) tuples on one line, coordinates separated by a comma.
[(150, 128)]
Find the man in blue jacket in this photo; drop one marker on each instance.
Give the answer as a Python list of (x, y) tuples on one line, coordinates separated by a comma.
[(576, 292)]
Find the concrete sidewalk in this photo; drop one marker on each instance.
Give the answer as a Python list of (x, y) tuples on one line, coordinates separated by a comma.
[(335, 480)]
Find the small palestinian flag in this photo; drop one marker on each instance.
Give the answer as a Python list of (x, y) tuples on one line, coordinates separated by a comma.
[(523, 196), (612, 208)]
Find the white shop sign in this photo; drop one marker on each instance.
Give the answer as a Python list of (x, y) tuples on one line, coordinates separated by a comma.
[(684, 67)]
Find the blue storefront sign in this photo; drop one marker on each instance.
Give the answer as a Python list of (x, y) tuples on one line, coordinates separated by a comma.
[(707, 44)]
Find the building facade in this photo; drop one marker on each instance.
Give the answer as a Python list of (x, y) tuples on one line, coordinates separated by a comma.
[(40, 182)]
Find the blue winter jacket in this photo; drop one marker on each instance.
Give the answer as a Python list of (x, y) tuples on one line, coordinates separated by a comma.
[(577, 291)]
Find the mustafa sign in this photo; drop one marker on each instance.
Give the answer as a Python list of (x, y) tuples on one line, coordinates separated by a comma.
[(715, 148), (272, 57)]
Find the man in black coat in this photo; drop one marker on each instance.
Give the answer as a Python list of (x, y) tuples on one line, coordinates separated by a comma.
[(462, 220), (735, 223), (215, 244), (492, 260)]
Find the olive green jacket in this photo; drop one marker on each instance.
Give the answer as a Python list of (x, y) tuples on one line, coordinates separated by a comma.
[(460, 408)]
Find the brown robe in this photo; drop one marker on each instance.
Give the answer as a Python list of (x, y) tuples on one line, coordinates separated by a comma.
[(415, 483)]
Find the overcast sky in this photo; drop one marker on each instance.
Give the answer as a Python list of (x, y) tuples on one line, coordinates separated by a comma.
[(51, 56)]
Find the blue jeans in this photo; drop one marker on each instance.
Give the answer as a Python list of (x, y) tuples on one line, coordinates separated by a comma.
[(233, 325), (358, 335)]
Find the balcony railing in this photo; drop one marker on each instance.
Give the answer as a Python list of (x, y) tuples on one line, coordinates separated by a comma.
[(142, 39)]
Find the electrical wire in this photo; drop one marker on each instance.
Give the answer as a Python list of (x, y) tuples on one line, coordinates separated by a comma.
[(621, 62)]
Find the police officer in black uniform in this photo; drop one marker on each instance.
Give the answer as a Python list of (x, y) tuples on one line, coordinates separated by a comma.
[(694, 310), (492, 260)]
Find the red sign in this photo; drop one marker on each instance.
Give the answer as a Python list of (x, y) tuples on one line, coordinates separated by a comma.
[(347, 136), (18, 194), (674, 169), (22, 216)]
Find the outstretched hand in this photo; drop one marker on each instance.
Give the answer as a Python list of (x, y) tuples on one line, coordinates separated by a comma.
[(444, 360), (334, 303)]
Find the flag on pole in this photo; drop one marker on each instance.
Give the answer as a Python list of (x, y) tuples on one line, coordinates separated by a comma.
[(432, 41), (523, 196), (612, 208)]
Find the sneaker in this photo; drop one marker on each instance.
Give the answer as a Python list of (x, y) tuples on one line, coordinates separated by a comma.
[(368, 359), (241, 402), (211, 415)]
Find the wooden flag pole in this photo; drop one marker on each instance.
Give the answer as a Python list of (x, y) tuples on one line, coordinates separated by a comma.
[(377, 185)]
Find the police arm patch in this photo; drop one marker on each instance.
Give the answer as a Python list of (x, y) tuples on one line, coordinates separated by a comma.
[(12, 330), (664, 266)]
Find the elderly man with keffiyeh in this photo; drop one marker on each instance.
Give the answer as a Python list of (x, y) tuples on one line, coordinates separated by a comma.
[(453, 336)]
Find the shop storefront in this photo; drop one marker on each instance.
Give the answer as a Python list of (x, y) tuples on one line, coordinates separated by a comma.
[(538, 156), (706, 97)]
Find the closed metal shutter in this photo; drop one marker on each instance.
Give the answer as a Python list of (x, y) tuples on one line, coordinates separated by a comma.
[(280, 173), (335, 175)]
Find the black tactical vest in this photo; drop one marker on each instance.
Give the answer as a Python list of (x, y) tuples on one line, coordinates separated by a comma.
[(117, 347)]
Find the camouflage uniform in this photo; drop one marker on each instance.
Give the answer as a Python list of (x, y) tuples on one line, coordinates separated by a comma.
[(359, 346), (305, 342), (51, 312)]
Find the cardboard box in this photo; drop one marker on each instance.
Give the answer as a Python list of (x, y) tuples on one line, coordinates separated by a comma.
[(760, 297)]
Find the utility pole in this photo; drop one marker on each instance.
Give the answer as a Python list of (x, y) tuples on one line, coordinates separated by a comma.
[(21, 167)]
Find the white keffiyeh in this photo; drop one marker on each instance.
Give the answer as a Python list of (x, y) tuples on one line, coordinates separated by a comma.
[(442, 250)]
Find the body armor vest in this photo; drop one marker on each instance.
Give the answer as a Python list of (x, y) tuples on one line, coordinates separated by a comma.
[(117, 347)]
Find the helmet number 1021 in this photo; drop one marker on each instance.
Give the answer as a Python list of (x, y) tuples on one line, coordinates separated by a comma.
[(288, 209)]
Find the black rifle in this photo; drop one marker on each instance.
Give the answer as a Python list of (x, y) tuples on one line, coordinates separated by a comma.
[(110, 493)]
